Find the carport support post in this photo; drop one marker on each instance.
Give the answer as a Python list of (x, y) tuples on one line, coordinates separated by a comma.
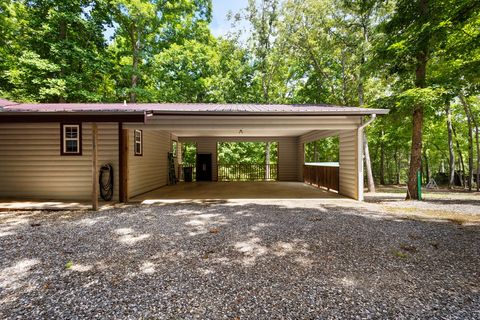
[(360, 163), (360, 156), (94, 167)]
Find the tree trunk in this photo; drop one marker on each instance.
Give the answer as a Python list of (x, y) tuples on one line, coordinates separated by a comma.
[(267, 160), (344, 80), (397, 167), (417, 119), (475, 123), (135, 39), (416, 154), (382, 161), (470, 140), (63, 37), (451, 180), (368, 164), (460, 156), (427, 168)]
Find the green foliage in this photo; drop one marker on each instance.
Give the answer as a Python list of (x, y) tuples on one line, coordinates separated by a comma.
[(246, 152), (323, 150), (189, 154)]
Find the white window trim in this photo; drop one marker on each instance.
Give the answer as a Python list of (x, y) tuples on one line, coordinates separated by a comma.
[(138, 140), (65, 139)]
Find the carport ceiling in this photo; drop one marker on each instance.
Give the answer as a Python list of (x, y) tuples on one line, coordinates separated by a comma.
[(246, 126)]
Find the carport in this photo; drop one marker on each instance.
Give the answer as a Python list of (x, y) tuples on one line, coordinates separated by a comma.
[(290, 126)]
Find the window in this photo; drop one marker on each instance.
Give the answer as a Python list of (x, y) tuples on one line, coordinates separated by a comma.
[(174, 148), (71, 139), (138, 142)]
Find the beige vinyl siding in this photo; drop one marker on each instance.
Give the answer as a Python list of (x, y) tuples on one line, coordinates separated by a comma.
[(348, 163), (31, 166), (309, 137), (149, 171), (287, 157)]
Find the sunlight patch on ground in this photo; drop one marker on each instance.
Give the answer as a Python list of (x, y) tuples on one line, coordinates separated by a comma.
[(81, 267), (147, 267), (186, 212), (204, 271), (261, 225), (251, 249), (347, 282), (11, 276), (131, 240), (205, 223), (435, 215), (127, 237), (91, 283), (281, 248), (202, 220), (90, 221), (303, 261), (124, 231)]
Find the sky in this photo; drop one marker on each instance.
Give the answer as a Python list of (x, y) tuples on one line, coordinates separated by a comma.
[(220, 25)]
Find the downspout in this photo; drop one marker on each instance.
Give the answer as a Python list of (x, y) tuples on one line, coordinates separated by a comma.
[(360, 155), (374, 116)]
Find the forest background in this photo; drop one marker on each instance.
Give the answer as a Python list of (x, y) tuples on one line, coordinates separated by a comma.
[(418, 58)]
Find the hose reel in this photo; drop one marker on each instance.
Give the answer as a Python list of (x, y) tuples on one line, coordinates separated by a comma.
[(105, 179)]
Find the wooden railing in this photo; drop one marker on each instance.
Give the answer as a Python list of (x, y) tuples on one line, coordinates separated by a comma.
[(247, 172), (322, 176)]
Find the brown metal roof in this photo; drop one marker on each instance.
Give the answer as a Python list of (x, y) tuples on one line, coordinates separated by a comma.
[(4, 103), (186, 108)]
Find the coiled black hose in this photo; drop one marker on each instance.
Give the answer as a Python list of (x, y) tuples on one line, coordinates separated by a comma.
[(105, 179)]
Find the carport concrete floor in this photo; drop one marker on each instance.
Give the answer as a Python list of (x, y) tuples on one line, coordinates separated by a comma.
[(238, 190)]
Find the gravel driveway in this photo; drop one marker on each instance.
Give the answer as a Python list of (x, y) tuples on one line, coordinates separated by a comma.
[(234, 260)]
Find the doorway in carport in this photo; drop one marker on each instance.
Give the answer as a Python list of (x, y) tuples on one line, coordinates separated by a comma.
[(204, 167)]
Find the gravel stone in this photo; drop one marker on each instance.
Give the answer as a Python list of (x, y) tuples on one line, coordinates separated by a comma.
[(236, 260)]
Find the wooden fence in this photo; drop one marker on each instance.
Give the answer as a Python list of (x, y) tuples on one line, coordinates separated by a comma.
[(322, 176), (247, 172)]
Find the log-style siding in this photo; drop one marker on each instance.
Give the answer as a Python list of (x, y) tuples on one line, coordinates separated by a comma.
[(287, 157), (149, 171), (31, 166)]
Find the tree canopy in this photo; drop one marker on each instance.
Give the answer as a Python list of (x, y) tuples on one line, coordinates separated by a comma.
[(418, 58)]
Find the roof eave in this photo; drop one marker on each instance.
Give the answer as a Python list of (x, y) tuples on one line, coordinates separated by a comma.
[(367, 112), (29, 117)]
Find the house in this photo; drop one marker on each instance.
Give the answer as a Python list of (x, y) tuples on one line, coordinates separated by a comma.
[(46, 150)]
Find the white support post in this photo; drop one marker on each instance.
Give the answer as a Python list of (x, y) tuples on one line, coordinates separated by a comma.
[(360, 156), (360, 164)]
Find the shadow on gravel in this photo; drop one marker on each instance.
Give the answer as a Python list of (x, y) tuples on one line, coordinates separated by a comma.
[(212, 257)]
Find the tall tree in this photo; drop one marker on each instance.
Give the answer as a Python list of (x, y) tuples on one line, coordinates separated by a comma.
[(146, 27), (62, 50), (451, 153), (360, 18), (263, 16), (415, 29)]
